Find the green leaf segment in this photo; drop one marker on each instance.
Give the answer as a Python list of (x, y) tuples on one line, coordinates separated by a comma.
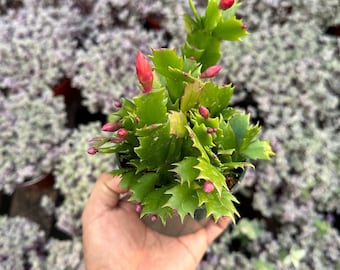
[(171, 149)]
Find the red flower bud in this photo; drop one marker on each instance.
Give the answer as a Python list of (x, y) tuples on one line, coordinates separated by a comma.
[(244, 27), (208, 186), (225, 4), (204, 112), (211, 72), (92, 150), (111, 127), (122, 133), (144, 72)]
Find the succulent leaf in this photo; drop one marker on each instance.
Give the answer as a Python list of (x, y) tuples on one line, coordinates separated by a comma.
[(196, 143), (258, 150), (178, 121), (146, 105), (153, 203), (239, 124), (203, 136), (208, 46), (215, 98), (184, 199), (218, 205), (212, 15), (142, 186), (231, 29), (210, 172), (153, 147), (192, 92), (186, 170)]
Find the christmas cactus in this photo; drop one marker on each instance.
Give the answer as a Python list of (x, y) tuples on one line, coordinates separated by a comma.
[(180, 145)]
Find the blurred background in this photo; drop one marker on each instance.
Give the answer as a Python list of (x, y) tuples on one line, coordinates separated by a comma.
[(64, 63)]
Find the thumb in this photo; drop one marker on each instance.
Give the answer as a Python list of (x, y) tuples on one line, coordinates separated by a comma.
[(105, 194), (213, 230)]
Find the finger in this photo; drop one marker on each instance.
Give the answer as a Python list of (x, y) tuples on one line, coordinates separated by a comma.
[(213, 230), (105, 193)]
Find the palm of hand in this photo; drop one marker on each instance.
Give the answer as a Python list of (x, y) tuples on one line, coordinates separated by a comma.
[(115, 238), (120, 235)]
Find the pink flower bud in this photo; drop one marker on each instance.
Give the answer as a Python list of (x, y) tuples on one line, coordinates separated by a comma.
[(204, 112), (111, 127), (208, 186), (211, 72), (117, 104), (144, 72), (154, 218), (139, 208), (92, 150), (225, 4), (116, 140), (210, 130), (122, 133), (244, 27)]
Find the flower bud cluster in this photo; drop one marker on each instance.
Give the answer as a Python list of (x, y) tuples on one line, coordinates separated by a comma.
[(121, 133)]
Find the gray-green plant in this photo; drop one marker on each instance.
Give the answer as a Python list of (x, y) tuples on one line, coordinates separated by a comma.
[(33, 129), (20, 238), (40, 42)]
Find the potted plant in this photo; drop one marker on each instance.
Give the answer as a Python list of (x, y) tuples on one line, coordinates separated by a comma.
[(179, 142), (33, 127)]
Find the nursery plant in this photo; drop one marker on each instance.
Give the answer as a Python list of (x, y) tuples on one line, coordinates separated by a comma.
[(181, 146), (33, 128)]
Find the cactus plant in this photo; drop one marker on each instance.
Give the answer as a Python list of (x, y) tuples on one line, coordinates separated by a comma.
[(178, 141)]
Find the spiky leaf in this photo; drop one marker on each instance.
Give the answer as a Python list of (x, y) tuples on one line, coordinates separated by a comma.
[(184, 199), (203, 136), (151, 107), (143, 186), (258, 150), (218, 205), (192, 92), (153, 203), (212, 15), (165, 58), (153, 145), (226, 138), (251, 134), (196, 143), (178, 122), (230, 29), (207, 46), (186, 170), (215, 98), (210, 172), (239, 124)]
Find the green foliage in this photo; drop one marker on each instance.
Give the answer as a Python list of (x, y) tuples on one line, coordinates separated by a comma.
[(205, 33), (172, 148)]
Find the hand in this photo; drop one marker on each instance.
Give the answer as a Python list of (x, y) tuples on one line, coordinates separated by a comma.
[(115, 238)]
